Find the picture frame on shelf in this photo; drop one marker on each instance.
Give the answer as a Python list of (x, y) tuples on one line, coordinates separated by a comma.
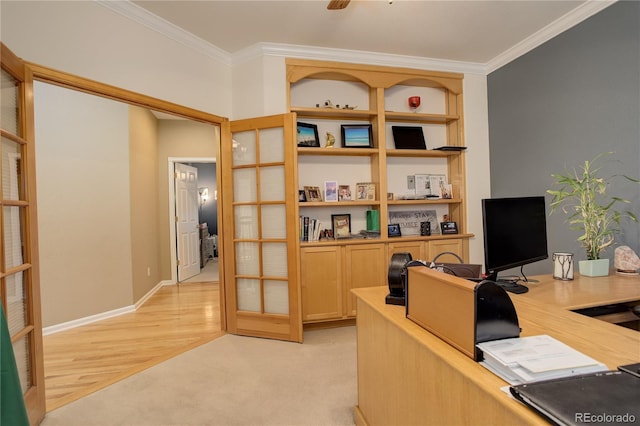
[(341, 225), (330, 190), (365, 191), (449, 228), (302, 197), (356, 135), (436, 182), (446, 191), (344, 193), (393, 230), (307, 135), (312, 193)]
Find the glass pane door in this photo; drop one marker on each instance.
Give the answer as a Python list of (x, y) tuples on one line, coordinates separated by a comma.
[(261, 263), (19, 288)]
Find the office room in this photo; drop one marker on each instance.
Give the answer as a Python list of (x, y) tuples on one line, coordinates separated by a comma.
[(551, 99)]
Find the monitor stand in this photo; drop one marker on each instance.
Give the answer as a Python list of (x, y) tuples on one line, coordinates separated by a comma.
[(512, 287), (508, 285)]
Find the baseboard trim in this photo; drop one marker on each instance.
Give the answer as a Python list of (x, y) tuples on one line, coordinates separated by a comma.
[(46, 331)]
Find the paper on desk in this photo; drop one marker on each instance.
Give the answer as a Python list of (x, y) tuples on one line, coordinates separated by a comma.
[(527, 359), (536, 353)]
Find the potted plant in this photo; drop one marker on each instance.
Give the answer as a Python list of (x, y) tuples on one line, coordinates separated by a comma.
[(582, 194)]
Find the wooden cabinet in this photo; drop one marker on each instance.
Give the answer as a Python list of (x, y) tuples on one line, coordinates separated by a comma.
[(429, 250), (321, 283), (330, 95), (328, 274), (364, 267)]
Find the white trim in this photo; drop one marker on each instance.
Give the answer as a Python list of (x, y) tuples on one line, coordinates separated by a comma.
[(87, 320), (172, 207), (355, 56), (104, 315), (560, 25), (142, 16)]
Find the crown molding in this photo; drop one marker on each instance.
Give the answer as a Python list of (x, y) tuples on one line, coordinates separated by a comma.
[(155, 23), (142, 16), (562, 24), (259, 50)]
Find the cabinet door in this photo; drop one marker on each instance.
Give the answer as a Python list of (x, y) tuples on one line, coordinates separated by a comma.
[(321, 283), (415, 248), (365, 267), (435, 247)]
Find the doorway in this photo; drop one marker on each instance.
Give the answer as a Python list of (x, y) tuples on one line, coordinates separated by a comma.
[(209, 242)]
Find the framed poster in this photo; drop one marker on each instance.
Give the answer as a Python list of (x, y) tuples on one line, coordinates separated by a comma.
[(410, 221)]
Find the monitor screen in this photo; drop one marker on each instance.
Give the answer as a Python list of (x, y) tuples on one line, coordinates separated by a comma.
[(408, 137), (515, 232)]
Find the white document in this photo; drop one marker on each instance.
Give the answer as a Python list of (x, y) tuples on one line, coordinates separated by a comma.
[(528, 359)]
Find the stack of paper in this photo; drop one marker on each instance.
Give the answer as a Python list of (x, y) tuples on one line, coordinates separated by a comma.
[(529, 359)]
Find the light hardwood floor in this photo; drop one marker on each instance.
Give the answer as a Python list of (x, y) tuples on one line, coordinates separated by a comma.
[(175, 319)]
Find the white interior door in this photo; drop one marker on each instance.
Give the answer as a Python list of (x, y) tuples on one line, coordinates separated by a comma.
[(187, 223)]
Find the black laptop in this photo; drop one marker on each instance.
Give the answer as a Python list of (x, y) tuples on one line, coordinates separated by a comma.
[(609, 397), (408, 137)]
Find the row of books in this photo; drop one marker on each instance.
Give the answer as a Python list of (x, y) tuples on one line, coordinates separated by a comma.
[(310, 229)]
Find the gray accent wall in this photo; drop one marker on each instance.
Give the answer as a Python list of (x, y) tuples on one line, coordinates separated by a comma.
[(563, 103)]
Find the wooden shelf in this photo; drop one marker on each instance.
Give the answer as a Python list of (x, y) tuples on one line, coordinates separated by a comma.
[(427, 201), (432, 153), (329, 269), (333, 113), (367, 203), (416, 117), (349, 152)]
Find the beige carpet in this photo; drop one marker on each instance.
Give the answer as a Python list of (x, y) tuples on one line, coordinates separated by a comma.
[(233, 380)]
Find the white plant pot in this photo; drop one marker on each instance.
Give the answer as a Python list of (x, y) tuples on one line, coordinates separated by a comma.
[(594, 268)]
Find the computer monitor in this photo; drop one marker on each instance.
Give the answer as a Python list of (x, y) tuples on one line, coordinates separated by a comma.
[(408, 137), (515, 233)]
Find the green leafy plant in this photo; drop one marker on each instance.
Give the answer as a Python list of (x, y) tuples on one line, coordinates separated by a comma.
[(582, 194)]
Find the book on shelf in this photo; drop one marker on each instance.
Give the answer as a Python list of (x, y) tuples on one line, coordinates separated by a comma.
[(309, 229), (530, 359)]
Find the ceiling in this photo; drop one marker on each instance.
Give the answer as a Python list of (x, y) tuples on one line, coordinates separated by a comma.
[(475, 31)]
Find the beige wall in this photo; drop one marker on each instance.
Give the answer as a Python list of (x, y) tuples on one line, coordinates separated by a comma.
[(80, 37), (145, 243), (82, 171), (178, 139)]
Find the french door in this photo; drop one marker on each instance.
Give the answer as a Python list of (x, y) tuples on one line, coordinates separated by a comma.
[(19, 276), (260, 248)]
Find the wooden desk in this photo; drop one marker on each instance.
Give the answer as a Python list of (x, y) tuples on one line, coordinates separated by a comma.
[(408, 376)]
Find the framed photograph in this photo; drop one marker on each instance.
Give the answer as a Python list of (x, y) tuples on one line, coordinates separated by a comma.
[(449, 227), (308, 135), (344, 193), (331, 191), (302, 197), (425, 228), (394, 230), (436, 182), (312, 193), (446, 191), (356, 135), (341, 225), (365, 191)]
